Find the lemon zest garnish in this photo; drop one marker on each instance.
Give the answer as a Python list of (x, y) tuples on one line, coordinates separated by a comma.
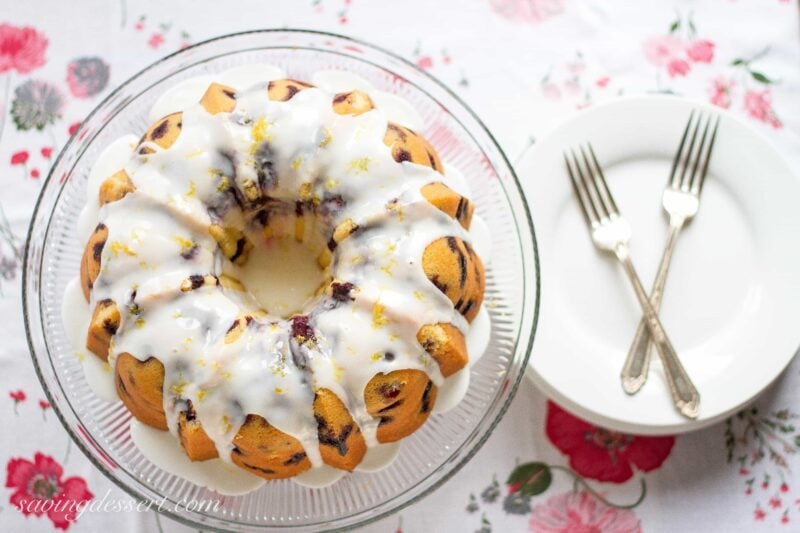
[(227, 424), (305, 191), (192, 189), (139, 324), (378, 318), (176, 314), (186, 244), (278, 390), (419, 296), (337, 372), (260, 131), (393, 337), (118, 247), (377, 356), (331, 184), (224, 184), (201, 394), (387, 268), (194, 154), (177, 389), (359, 165), (326, 139), (297, 162), (201, 362)]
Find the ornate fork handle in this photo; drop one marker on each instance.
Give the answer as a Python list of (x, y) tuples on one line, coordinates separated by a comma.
[(684, 394), (637, 364)]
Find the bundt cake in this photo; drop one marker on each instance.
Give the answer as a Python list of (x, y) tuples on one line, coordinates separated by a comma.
[(193, 351)]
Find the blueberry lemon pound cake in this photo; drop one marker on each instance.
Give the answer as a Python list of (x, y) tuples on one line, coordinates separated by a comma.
[(211, 189)]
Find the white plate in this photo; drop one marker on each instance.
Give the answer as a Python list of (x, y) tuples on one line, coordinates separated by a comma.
[(732, 299)]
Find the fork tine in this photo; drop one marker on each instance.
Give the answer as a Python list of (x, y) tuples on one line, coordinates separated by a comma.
[(586, 207), (698, 186), (694, 176), (610, 204), (673, 174), (590, 182), (688, 159)]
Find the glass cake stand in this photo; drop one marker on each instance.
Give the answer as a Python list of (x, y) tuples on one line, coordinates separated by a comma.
[(431, 455)]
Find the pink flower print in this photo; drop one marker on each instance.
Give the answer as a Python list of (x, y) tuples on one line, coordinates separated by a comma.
[(425, 62), (759, 514), (701, 51), (528, 11), (580, 512), (21, 48), (602, 82), (551, 91), (758, 105), (775, 502), (39, 488), (784, 487), (661, 50), (155, 41), (677, 67), (721, 96)]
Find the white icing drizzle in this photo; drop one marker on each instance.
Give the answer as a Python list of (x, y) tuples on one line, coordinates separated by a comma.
[(158, 237)]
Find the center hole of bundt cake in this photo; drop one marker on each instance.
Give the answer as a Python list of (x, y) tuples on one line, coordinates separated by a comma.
[(282, 274)]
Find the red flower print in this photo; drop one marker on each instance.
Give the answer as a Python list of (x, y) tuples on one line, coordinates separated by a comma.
[(17, 395), (759, 514), (139, 26), (44, 404), (19, 158), (758, 105), (775, 502), (47, 151), (701, 51), (514, 487), (601, 454), (784, 487), (721, 96), (87, 76), (21, 48), (581, 512), (155, 41), (39, 489), (662, 49), (74, 127), (35, 173), (425, 62), (677, 67)]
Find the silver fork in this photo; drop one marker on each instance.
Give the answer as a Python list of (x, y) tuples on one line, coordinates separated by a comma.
[(611, 232), (681, 200)]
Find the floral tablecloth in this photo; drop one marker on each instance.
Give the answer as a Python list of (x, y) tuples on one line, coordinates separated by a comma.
[(523, 65)]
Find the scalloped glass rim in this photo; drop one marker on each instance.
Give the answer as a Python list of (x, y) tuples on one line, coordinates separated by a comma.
[(351, 49)]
